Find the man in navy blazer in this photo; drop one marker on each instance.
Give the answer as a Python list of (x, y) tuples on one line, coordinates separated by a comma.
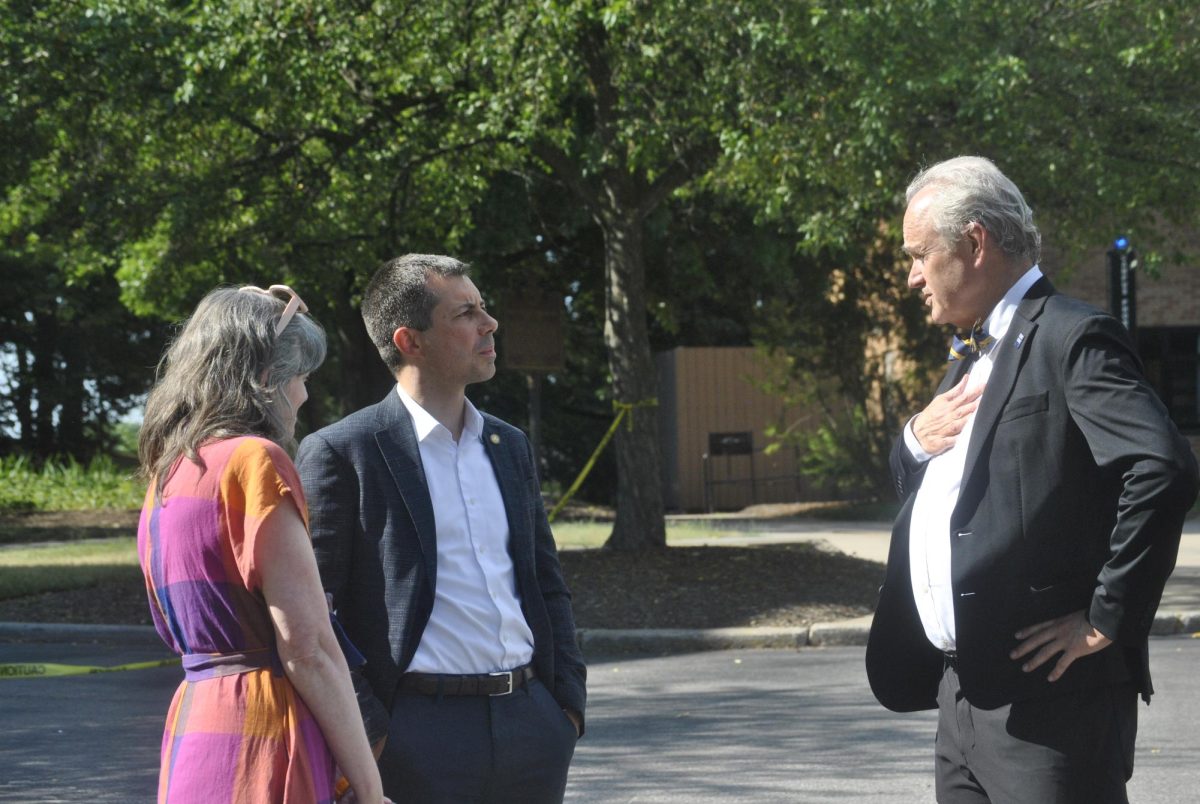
[(1045, 489), (429, 530)]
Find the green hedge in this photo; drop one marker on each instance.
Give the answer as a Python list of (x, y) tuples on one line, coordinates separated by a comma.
[(67, 486)]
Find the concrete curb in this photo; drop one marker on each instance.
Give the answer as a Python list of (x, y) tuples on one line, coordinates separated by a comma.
[(820, 635), (1170, 623), (595, 640), (687, 640)]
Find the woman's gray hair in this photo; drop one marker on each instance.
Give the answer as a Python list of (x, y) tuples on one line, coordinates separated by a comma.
[(973, 190), (225, 374)]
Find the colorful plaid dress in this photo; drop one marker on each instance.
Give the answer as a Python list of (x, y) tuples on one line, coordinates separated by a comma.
[(237, 730)]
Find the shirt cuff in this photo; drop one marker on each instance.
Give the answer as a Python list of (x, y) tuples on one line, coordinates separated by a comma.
[(914, 446)]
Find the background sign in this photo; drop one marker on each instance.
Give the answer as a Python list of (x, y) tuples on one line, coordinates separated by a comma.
[(532, 332)]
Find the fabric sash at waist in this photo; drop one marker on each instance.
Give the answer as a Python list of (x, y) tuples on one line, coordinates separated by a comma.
[(200, 666)]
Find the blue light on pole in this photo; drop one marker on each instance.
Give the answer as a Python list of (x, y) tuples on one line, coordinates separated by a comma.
[(1122, 282)]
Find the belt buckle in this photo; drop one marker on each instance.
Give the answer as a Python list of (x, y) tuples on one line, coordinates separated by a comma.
[(509, 675)]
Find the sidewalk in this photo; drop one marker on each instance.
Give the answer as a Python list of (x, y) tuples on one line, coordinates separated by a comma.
[(1179, 612)]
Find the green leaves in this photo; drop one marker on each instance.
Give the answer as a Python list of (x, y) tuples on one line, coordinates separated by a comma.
[(171, 147)]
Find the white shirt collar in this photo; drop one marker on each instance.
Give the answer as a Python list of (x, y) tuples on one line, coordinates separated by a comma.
[(1001, 317), (425, 425)]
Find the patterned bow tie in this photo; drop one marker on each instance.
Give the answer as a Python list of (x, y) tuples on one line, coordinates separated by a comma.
[(974, 343)]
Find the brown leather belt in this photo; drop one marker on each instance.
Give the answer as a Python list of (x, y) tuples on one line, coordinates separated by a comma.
[(476, 684)]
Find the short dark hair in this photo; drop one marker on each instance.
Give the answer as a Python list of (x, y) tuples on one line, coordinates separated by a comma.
[(399, 296)]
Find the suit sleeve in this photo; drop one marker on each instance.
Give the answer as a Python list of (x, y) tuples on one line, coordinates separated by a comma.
[(331, 486), (907, 471), (1130, 434), (569, 670)]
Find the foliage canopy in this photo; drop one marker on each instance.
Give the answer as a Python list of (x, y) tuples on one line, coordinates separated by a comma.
[(681, 172)]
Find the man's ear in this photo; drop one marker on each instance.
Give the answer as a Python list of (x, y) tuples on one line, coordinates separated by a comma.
[(978, 240), (407, 341)]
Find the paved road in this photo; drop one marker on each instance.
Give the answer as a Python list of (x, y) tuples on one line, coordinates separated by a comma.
[(782, 726), (729, 726)]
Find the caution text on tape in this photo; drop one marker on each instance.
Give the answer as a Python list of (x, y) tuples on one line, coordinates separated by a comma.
[(44, 670)]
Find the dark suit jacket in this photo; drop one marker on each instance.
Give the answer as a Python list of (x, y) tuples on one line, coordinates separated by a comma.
[(1073, 497), (375, 540)]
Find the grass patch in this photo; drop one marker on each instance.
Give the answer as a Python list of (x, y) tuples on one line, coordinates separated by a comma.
[(577, 535), (54, 568), (67, 485)]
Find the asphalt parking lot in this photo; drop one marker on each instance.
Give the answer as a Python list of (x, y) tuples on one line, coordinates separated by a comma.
[(718, 726)]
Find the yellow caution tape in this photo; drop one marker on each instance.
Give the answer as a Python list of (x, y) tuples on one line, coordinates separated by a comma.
[(622, 408), (627, 407), (44, 670)]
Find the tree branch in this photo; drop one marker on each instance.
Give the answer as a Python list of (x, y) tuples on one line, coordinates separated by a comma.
[(690, 164), (567, 172)]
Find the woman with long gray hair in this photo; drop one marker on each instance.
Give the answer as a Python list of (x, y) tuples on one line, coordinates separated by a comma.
[(266, 711)]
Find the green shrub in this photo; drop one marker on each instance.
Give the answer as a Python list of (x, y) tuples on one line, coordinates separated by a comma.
[(67, 485)]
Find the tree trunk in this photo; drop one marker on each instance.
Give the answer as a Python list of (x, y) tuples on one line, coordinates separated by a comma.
[(24, 399), (533, 381), (365, 378), (45, 335), (70, 438), (639, 523), (358, 377)]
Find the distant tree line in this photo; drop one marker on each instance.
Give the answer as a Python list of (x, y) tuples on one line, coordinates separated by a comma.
[(709, 172)]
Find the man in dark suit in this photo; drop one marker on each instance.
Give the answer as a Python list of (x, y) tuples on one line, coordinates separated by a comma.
[(1045, 489), (429, 529)]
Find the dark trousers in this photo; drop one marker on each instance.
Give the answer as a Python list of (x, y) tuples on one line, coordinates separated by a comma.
[(1072, 749), (479, 749)]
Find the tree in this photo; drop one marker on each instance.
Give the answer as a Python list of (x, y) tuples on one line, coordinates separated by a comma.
[(309, 143), (76, 359), (625, 104), (176, 147), (1087, 106), (714, 271)]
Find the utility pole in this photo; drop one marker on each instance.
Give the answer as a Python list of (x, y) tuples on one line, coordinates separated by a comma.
[(1122, 283)]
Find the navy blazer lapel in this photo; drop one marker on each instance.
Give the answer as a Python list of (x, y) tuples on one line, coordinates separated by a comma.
[(508, 476), (397, 442), (1007, 361)]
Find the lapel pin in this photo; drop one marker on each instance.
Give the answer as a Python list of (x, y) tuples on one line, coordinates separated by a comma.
[(1020, 340), (495, 439)]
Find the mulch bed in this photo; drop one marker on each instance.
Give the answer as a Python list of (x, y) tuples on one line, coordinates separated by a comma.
[(18, 527), (112, 604), (712, 587)]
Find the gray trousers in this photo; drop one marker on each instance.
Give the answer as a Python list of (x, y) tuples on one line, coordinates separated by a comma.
[(1072, 749)]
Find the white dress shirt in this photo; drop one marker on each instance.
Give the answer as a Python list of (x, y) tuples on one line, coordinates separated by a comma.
[(476, 625), (929, 529)]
